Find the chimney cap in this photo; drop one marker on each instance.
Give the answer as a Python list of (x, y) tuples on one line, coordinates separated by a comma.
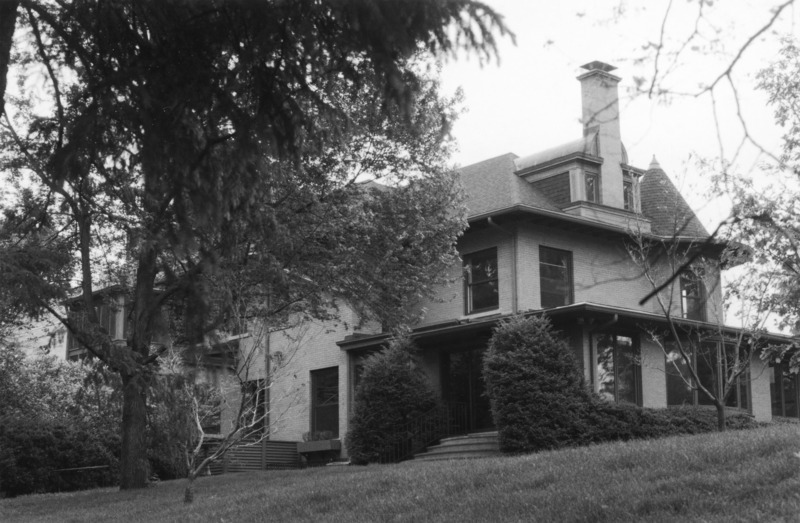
[(597, 65)]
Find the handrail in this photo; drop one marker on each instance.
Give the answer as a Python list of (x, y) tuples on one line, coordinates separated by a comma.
[(449, 419)]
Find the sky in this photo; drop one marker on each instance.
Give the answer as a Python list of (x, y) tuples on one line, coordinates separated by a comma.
[(530, 100)]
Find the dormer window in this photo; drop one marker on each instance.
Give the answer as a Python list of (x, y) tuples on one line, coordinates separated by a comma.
[(592, 187), (627, 195)]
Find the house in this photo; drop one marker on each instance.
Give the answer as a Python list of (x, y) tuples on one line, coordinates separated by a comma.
[(549, 232)]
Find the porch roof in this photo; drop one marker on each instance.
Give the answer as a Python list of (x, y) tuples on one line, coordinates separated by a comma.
[(598, 316)]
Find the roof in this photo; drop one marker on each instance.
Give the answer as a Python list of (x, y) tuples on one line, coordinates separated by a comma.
[(663, 204), (493, 186), (631, 316)]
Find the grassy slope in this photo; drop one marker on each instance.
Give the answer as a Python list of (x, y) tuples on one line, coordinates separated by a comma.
[(737, 476)]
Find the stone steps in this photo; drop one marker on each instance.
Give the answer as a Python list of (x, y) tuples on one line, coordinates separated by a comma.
[(478, 445)]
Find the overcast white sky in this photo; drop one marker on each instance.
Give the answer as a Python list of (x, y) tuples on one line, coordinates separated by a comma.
[(531, 100)]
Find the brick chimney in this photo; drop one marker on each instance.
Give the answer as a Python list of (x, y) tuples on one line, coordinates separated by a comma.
[(601, 114)]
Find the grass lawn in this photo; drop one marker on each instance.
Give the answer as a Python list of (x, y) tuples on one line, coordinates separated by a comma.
[(737, 476)]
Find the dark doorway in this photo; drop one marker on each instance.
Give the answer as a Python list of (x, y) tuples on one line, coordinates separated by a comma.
[(462, 383)]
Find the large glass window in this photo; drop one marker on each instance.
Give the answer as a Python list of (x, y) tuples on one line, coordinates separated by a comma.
[(784, 390), (710, 363), (480, 281), (555, 277), (325, 401), (618, 372), (693, 296)]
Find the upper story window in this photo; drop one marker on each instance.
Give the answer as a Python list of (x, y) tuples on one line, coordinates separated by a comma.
[(627, 196), (693, 296), (618, 370), (555, 277), (592, 187), (480, 281)]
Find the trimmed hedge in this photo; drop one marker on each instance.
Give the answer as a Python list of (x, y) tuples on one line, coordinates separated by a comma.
[(32, 450), (540, 400), (393, 391)]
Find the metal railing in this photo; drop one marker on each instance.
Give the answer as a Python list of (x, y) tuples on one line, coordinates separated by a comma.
[(449, 419)]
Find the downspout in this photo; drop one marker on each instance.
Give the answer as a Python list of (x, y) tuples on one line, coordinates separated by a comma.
[(514, 283)]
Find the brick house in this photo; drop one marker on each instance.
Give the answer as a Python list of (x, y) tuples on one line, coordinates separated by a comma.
[(547, 232)]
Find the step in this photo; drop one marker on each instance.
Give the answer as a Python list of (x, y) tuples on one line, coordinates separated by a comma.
[(455, 455), (467, 446), (476, 445), (475, 435)]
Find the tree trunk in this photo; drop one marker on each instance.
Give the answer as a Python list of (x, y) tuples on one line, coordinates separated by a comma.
[(720, 417), (188, 494), (134, 468), (8, 19)]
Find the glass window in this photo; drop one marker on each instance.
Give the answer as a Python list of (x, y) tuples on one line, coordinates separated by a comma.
[(627, 195), (706, 360), (784, 391), (618, 370), (592, 187), (325, 401), (480, 278), (693, 299), (555, 277), (680, 390)]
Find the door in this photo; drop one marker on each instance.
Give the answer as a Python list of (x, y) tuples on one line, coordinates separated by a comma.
[(463, 383)]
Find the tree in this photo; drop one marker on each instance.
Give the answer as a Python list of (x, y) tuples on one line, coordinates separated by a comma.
[(185, 140), (764, 215), (711, 360)]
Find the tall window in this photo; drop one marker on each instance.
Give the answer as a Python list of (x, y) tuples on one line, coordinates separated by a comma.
[(627, 195), (592, 187), (555, 277), (618, 371), (325, 401), (784, 389), (712, 366), (693, 296), (480, 281)]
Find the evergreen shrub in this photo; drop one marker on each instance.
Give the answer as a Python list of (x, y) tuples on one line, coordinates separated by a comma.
[(392, 392), (539, 399)]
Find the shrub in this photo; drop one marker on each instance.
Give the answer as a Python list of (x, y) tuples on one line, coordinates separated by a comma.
[(32, 449), (540, 401), (392, 392), (538, 397)]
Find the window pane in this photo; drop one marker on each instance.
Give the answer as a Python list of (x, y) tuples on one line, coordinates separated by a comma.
[(626, 370), (693, 297), (679, 388), (481, 284), (706, 362), (325, 401), (605, 366), (627, 195), (485, 295), (789, 392), (555, 277), (591, 187)]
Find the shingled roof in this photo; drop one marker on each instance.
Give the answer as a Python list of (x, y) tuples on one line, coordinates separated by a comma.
[(492, 186), (664, 205)]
